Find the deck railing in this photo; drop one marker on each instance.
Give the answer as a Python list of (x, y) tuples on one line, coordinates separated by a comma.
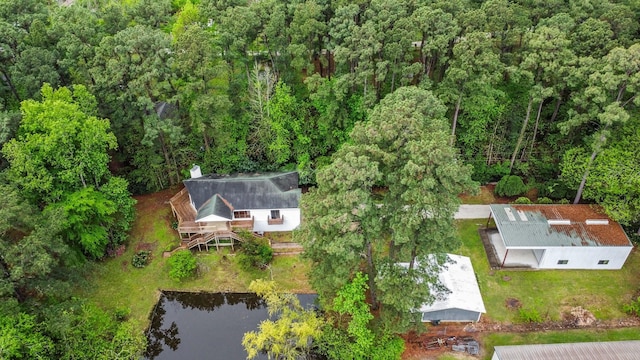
[(242, 224), (276, 221)]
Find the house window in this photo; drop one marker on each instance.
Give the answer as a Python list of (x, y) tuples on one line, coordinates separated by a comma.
[(275, 214), (603, 262), (563, 262), (241, 214)]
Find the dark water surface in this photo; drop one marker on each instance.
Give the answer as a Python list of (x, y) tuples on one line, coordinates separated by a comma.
[(205, 325)]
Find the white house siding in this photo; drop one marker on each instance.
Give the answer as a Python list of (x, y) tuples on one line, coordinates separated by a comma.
[(585, 257), (213, 218), (260, 224), (495, 356)]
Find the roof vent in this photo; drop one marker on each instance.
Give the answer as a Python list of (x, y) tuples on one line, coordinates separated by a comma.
[(558, 222), (597, 221), (195, 172)]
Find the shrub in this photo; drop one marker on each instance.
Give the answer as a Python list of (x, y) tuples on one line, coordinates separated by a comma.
[(522, 200), (141, 259), (544, 200), (529, 315), (182, 265), (255, 253), (510, 185), (121, 313), (632, 308), (564, 201)]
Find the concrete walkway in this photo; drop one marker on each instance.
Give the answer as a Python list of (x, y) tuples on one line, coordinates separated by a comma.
[(472, 212)]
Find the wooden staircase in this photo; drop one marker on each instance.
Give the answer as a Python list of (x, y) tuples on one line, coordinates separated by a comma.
[(200, 240)]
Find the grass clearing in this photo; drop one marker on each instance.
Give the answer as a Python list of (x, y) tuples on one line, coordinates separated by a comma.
[(485, 196), (116, 284), (549, 292)]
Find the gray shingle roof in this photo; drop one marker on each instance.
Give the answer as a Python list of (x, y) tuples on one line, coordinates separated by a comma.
[(537, 226), (215, 206), (247, 191), (606, 350)]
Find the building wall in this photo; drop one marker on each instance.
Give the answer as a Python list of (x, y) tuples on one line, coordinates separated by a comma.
[(585, 257), (260, 224), (451, 315), (495, 356)]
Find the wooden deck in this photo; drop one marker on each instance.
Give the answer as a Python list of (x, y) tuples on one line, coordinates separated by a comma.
[(217, 239), (204, 234), (181, 207)]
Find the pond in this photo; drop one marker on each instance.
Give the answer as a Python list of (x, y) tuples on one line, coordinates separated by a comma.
[(205, 325)]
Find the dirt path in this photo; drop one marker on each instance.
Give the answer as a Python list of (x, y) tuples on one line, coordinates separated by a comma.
[(415, 343)]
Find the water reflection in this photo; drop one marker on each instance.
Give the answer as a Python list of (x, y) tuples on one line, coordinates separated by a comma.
[(205, 325)]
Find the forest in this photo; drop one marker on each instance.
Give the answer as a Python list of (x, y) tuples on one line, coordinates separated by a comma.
[(102, 99)]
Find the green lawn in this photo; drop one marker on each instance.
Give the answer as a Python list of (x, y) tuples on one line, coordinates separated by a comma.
[(116, 284), (549, 292)]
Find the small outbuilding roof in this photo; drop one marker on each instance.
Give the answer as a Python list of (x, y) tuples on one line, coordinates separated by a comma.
[(606, 350), (245, 191), (458, 277), (538, 226)]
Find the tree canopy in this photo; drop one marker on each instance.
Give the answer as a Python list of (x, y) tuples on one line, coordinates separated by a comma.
[(386, 106), (349, 224)]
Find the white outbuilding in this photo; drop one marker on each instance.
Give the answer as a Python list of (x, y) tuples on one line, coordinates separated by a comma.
[(463, 302), (558, 237)]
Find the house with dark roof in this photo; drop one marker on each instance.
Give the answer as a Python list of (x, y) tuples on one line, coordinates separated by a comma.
[(212, 207), (557, 237), (614, 350)]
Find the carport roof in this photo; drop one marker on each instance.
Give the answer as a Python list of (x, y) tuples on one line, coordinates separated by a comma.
[(538, 226)]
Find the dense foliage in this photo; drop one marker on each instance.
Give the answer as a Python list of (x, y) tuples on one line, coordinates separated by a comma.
[(182, 265), (291, 329), (256, 253), (349, 226), (140, 90), (356, 339), (510, 185), (268, 85)]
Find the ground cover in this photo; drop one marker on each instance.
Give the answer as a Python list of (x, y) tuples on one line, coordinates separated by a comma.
[(114, 284)]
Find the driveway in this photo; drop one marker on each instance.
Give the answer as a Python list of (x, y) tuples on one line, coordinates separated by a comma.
[(472, 212)]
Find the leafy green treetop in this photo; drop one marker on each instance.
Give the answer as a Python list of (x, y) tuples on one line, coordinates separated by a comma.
[(61, 145)]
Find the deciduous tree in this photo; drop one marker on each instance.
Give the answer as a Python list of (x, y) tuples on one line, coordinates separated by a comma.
[(291, 335)]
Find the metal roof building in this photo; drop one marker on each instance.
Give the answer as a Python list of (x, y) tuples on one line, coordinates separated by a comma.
[(559, 237), (464, 302), (609, 350)]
